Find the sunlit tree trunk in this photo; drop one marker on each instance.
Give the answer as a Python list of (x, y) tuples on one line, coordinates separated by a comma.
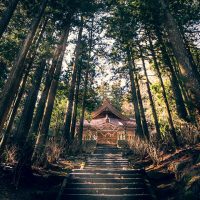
[(44, 129), (15, 77), (180, 105), (27, 113), (80, 131), (139, 130), (170, 120), (142, 112), (193, 64), (23, 137), (42, 102), (6, 16), (197, 55), (181, 55), (155, 116), (75, 107), (22, 89), (190, 108), (68, 116)]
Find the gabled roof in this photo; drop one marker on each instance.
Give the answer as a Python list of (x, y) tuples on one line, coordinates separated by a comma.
[(107, 106)]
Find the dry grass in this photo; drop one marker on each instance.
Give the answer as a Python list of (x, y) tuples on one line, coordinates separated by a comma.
[(10, 154), (53, 150)]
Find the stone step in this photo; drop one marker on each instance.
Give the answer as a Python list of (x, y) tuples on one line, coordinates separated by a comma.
[(107, 149), (108, 152), (106, 176), (104, 191), (91, 175), (107, 161), (109, 171), (102, 147), (106, 197), (107, 180), (107, 167), (107, 164), (106, 145), (107, 155), (107, 185)]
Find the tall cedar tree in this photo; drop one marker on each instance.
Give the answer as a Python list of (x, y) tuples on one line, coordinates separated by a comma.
[(22, 89), (44, 128), (80, 131), (12, 85), (6, 16), (68, 116), (181, 55), (42, 102), (170, 120)]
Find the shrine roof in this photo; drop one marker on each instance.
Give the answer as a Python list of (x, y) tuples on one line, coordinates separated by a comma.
[(113, 121), (108, 107)]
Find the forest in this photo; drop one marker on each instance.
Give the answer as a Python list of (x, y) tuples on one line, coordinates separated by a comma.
[(60, 59)]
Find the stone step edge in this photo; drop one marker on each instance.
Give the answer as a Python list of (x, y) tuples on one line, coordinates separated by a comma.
[(107, 195)]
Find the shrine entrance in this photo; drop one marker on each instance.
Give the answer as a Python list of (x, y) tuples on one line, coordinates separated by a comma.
[(105, 137), (108, 126)]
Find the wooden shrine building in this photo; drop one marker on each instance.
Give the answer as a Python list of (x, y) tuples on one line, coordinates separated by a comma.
[(108, 126)]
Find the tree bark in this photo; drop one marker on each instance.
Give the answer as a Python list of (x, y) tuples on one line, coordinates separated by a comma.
[(139, 130), (80, 131), (170, 120), (142, 112), (180, 105), (22, 89), (6, 16), (44, 129), (193, 64), (27, 113), (190, 108), (155, 116), (13, 82), (42, 102), (74, 116), (68, 117), (181, 55)]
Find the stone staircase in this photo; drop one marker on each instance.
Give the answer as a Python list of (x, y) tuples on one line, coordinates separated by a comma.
[(106, 175)]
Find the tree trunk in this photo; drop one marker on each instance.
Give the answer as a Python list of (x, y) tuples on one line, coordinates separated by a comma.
[(27, 113), (170, 120), (181, 55), (193, 64), (190, 108), (139, 130), (22, 89), (74, 116), (13, 82), (6, 16), (42, 102), (155, 116), (142, 112), (13, 114), (197, 58), (68, 117), (44, 129), (180, 105), (80, 131)]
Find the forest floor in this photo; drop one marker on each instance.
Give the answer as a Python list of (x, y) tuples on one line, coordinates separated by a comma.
[(44, 184), (176, 176)]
